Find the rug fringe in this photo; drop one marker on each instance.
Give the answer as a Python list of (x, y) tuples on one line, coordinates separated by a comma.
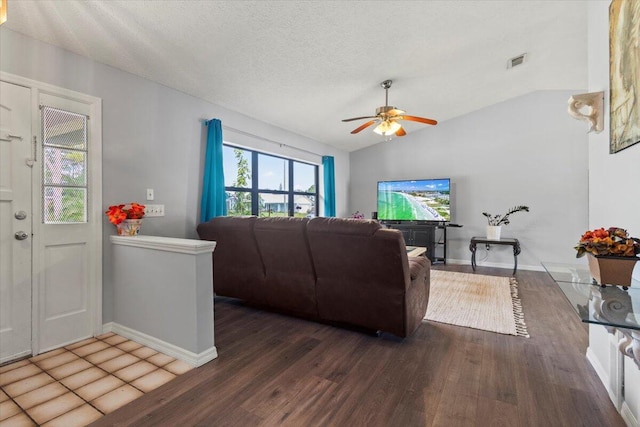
[(521, 326)]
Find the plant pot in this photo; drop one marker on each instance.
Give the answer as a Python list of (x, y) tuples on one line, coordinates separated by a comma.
[(129, 227), (493, 232), (612, 270)]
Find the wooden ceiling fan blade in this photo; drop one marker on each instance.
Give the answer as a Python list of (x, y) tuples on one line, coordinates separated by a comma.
[(401, 132), (418, 119), (364, 126), (359, 118)]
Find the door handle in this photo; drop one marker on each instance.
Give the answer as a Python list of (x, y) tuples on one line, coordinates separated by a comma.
[(20, 215), (21, 235)]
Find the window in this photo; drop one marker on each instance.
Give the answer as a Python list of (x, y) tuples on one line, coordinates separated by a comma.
[(265, 185), (64, 169)]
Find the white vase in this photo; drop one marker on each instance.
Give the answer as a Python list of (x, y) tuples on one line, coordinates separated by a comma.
[(493, 232), (129, 227)]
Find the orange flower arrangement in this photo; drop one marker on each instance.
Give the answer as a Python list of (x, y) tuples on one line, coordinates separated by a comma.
[(612, 242), (119, 213)]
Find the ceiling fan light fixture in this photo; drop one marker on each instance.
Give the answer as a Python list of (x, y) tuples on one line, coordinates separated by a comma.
[(387, 118), (387, 128)]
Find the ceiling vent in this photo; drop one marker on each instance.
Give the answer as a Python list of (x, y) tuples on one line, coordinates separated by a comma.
[(518, 60)]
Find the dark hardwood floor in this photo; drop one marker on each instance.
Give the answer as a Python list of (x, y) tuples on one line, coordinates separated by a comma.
[(275, 370)]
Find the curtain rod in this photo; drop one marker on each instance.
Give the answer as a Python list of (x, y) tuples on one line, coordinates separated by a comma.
[(241, 132)]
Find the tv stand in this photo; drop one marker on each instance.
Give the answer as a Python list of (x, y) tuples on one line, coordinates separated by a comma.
[(423, 233)]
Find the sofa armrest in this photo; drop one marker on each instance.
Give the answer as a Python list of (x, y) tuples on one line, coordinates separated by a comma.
[(417, 265)]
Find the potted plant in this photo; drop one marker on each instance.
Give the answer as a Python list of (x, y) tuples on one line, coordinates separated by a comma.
[(611, 255), (495, 222), (126, 218)]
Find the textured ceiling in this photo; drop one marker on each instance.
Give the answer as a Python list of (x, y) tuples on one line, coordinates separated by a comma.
[(304, 66)]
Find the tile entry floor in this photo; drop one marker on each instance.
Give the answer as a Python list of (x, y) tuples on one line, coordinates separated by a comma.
[(77, 384)]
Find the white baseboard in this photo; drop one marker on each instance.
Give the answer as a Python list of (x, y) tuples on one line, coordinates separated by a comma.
[(628, 416), (164, 347), (16, 356), (602, 374)]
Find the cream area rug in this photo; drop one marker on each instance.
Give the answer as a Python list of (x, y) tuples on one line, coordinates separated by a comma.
[(476, 301)]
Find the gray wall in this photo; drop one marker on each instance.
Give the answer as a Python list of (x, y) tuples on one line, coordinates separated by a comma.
[(152, 138), (523, 151)]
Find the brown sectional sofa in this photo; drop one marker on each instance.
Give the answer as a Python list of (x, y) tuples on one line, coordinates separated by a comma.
[(329, 269)]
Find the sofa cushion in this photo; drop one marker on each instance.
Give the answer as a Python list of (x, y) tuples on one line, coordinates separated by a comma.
[(362, 273), (290, 277), (237, 266), (344, 226)]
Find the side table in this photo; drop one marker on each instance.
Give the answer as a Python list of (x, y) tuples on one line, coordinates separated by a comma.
[(505, 241)]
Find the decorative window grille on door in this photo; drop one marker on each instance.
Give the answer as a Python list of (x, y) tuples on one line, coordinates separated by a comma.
[(64, 166)]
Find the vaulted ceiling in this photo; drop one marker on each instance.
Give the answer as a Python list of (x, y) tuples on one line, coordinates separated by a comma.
[(305, 65)]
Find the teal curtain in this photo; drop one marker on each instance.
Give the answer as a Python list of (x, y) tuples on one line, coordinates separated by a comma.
[(329, 186), (213, 196)]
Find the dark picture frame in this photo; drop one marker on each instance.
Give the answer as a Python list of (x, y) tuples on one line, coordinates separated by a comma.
[(624, 74)]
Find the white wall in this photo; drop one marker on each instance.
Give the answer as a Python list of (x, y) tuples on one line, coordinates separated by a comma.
[(154, 276), (614, 194), (527, 150), (614, 200), (152, 137)]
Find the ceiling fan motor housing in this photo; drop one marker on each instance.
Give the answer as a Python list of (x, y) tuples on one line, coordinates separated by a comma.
[(384, 110)]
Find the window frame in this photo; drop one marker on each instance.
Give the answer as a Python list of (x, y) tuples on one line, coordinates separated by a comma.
[(255, 191)]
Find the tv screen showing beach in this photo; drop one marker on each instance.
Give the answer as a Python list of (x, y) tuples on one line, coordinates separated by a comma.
[(415, 200)]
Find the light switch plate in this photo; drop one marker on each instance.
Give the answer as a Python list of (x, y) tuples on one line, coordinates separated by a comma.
[(149, 193), (154, 210)]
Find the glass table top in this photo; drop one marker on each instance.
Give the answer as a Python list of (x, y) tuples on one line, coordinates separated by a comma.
[(608, 306)]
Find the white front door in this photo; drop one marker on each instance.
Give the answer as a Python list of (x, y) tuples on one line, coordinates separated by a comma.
[(50, 217), (68, 242), (16, 152)]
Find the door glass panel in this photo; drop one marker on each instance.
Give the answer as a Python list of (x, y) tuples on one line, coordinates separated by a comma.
[(64, 166), (64, 129), (64, 205)]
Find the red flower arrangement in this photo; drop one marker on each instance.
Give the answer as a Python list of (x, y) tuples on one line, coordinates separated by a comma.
[(119, 213), (612, 242)]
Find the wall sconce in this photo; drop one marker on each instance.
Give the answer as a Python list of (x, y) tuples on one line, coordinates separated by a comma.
[(594, 101)]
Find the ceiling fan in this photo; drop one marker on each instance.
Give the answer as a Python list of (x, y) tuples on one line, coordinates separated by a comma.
[(387, 118)]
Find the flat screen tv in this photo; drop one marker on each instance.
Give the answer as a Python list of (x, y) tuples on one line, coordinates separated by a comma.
[(414, 200)]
